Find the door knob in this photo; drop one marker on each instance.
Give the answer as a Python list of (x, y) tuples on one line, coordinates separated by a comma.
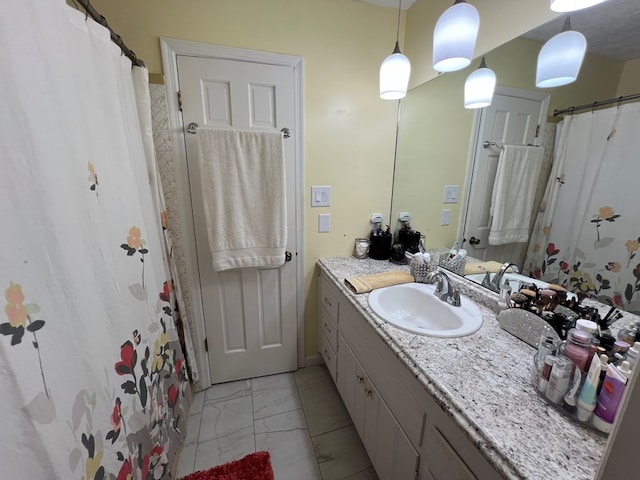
[(288, 256), (474, 241)]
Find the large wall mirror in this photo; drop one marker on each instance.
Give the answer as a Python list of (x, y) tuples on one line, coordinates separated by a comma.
[(440, 142)]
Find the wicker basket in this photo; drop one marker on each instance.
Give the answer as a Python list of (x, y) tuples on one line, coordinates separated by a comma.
[(419, 271), (453, 265)]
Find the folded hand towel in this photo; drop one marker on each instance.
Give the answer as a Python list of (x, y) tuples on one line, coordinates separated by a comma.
[(243, 189), (367, 283), (482, 267)]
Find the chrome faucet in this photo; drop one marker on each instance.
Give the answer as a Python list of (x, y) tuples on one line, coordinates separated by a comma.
[(444, 290), (495, 283)]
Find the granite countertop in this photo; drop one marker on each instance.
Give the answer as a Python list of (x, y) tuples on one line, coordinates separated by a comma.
[(483, 381)]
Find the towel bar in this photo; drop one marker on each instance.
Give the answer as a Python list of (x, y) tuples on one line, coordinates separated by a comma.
[(191, 128), (487, 144)]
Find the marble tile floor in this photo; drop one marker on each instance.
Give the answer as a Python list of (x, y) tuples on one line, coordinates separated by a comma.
[(298, 417)]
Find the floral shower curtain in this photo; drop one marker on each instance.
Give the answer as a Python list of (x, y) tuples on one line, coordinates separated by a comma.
[(92, 377), (587, 234)]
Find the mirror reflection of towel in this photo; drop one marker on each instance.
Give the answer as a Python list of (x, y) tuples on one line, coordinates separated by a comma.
[(243, 189), (513, 192)]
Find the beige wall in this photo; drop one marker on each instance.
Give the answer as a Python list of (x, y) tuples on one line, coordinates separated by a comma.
[(630, 81), (435, 130), (349, 132)]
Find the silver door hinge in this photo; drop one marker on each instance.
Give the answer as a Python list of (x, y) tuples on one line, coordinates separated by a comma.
[(206, 345), (537, 131), (180, 102)]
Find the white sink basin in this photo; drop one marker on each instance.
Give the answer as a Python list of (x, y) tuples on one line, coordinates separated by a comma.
[(413, 307)]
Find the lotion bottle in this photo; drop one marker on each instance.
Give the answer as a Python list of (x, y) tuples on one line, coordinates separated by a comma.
[(609, 399), (587, 397)]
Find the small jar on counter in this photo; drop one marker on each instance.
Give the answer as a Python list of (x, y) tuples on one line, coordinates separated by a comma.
[(362, 247), (578, 348)]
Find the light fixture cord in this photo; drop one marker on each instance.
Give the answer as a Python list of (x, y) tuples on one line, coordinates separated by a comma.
[(398, 28)]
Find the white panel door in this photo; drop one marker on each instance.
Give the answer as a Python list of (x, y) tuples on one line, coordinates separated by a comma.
[(510, 119), (250, 314)]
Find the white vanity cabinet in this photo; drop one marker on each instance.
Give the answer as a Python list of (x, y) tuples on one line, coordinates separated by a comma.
[(405, 432), (328, 325), (391, 453)]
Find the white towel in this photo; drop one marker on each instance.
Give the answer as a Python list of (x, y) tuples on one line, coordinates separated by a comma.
[(513, 191), (243, 189)]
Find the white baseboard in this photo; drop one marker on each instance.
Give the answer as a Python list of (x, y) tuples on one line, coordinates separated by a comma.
[(313, 360)]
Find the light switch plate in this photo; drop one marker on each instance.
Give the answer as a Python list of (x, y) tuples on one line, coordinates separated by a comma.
[(450, 194), (321, 196), (324, 223), (445, 217)]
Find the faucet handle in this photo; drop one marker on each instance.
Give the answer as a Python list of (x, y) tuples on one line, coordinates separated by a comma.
[(455, 298)]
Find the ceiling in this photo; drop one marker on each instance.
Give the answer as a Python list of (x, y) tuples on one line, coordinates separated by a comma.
[(612, 29)]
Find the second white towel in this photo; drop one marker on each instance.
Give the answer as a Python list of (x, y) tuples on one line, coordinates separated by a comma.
[(513, 193)]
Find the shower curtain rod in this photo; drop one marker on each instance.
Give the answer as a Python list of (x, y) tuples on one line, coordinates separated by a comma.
[(597, 104), (115, 38)]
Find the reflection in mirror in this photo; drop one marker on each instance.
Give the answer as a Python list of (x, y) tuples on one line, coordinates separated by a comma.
[(440, 144)]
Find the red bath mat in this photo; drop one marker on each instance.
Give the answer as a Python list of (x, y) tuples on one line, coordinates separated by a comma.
[(255, 466)]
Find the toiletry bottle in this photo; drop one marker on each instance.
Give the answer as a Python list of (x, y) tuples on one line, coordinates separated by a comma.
[(578, 348), (559, 379), (546, 372), (570, 399), (625, 369), (604, 365), (633, 354), (609, 399), (588, 393)]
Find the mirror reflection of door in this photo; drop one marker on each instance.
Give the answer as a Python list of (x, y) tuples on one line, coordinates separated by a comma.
[(512, 119)]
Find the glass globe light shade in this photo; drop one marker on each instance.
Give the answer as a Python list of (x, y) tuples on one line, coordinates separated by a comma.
[(572, 5), (560, 59), (454, 37), (479, 88), (394, 76)]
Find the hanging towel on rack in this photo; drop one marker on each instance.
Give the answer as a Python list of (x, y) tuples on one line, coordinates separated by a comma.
[(513, 192), (243, 189)]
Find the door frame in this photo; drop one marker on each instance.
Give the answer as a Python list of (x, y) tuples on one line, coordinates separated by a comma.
[(475, 142), (171, 48)]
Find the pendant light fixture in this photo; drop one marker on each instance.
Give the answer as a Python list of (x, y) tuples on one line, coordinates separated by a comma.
[(572, 5), (395, 70), (479, 87), (454, 37), (560, 59)]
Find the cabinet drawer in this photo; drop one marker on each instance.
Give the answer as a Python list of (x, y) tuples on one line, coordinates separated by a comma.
[(327, 298), (328, 355), (327, 327), (443, 462)]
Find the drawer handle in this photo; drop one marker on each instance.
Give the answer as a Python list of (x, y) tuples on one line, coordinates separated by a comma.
[(369, 392), (326, 354), (359, 378), (326, 300), (326, 327)]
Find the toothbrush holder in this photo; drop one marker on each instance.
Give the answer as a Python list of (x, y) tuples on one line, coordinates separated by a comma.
[(419, 271)]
